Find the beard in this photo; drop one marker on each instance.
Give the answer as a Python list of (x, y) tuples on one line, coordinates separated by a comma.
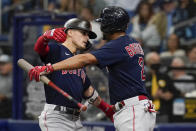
[(106, 37)]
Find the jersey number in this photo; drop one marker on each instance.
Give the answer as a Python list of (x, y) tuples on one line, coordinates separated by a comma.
[(141, 63)]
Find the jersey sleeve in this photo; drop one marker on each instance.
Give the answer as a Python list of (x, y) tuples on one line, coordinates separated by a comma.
[(108, 55), (50, 56)]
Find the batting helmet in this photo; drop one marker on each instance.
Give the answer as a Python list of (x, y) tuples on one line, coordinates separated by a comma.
[(113, 19), (80, 24)]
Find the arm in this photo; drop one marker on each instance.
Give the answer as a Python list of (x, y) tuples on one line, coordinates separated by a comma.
[(75, 62), (41, 45), (94, 99), (163, 95), (107, 55)]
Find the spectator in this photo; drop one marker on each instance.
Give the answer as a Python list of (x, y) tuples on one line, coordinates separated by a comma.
[(182, 75), (5, 86), (163, 18), (173, 44), (160, 88), (5, 16), (129, 5), (96, 5), (169, 7), (191, 59), (184, 12), (51, 6), (69, 6), (181, 12), (155, 4), (87, 14), (143, 30)]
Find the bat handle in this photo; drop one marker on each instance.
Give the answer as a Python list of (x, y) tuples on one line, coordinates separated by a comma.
[(82, 107)]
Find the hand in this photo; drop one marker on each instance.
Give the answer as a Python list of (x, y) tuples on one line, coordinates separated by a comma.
[(107, 109), (57, 34), (37, 71), (167, 95), (110, 112), (158, 94)]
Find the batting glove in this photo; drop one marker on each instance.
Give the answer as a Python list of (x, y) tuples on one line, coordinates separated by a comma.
[(107, 109), (110, 112), (57, 34), (37, 71)]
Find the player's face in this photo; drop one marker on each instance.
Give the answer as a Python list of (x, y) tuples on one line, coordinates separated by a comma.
[(80, 38)]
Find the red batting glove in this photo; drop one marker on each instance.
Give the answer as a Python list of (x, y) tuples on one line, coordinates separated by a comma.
[(57, 34), (37, 71), (107, 109)]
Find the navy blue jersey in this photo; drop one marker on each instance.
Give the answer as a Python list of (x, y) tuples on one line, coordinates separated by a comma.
[(124, 59), (74, 82)]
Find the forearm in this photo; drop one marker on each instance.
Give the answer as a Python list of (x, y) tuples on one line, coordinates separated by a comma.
[(75, 62), (93, 97), (96, 100)]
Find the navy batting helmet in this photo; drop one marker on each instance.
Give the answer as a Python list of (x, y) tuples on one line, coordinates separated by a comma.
[(113, 19), (80, 24)]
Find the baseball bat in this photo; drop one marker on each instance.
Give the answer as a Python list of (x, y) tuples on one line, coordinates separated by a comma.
[(27, 67)]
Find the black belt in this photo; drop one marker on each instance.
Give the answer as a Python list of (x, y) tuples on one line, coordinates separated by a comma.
[(67, 110), (119, 105)]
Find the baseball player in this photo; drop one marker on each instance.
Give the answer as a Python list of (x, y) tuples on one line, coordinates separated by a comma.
[(59, 113), (124, 58)]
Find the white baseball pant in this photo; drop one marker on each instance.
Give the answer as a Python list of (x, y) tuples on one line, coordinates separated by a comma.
[(51, 120), (135, 116)]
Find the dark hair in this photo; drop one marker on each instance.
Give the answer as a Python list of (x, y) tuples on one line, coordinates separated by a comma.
[(142, 20)]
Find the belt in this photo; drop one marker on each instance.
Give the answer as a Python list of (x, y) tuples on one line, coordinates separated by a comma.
[(67, 110), (131, 101)]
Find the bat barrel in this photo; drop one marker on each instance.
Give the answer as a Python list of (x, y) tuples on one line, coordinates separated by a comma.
[(24, 65)]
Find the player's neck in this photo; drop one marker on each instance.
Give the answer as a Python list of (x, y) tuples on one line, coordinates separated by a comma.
[(116, 35), (70, 46)]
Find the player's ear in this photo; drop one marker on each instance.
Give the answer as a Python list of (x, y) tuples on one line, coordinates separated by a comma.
[(70, 32)]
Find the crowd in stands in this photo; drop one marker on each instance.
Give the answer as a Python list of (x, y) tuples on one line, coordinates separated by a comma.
[(166, 29)]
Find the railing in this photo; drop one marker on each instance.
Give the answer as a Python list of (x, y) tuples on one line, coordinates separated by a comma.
[(185, 23), (191, 24), (26, 125)]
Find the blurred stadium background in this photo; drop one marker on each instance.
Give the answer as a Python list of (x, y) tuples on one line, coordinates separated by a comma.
[(166, 28)]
